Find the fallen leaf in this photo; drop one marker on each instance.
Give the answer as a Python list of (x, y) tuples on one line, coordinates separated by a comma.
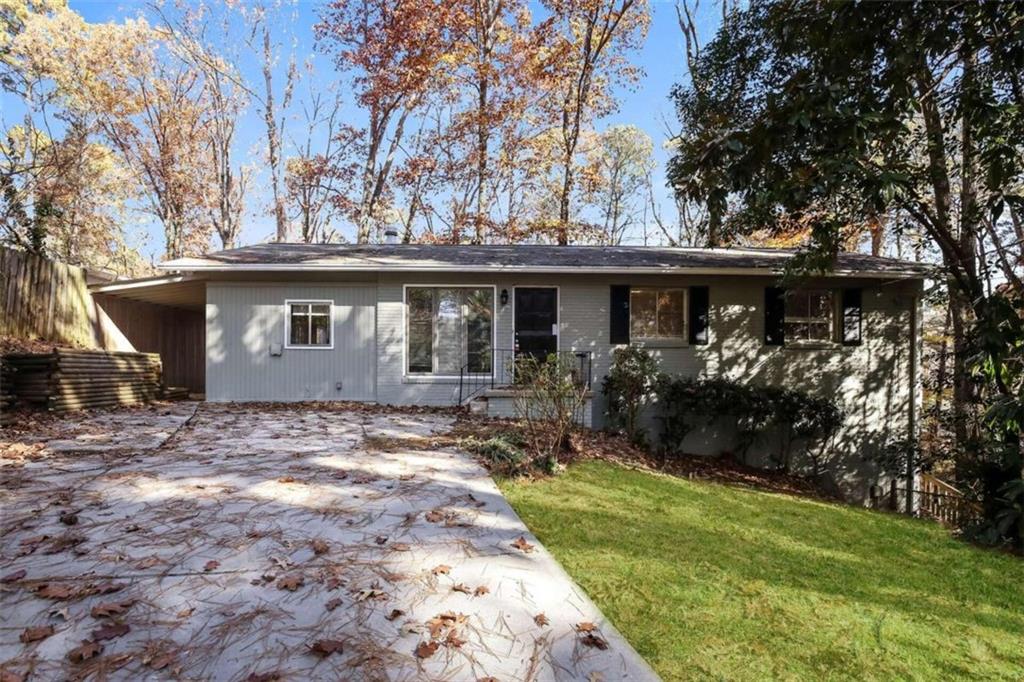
[(426, 649), (395, 613), (320, 547), (381, 539), (69, 518), (84, 652), (487, 679), (442, 569), (460, 587), (333, 604), (326, 647), (434, 516), (159, 662), (541, 620), (522, 545), (211, 565), (10, 676), (148, 562), (13, 577), (185, 612), (481, 591), (107, 588), (110, 632), (286, 479), (291, 582), (594, 641), (36, 634), (263, 677), (56, 591), (334, 583), (400, 547), (453, 640), (111, 608), (363, 595), (586, 626)]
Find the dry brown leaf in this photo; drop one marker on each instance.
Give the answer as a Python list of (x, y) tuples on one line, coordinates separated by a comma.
[(291, 582), (111, 608), (13, 577), (541, 620), (112, 631), (211, 565), (442, 569), (594, 641), (326, 647), (334, 583), (381, 539), (460, 587), (426, 649), (333, 604), (481, 591), (69, 518), (320, 547), (148, 562), (453, 640), (159, 662), (36, 634), (264, 677), (487, 679), (372, 593), (286, 479), (586, 626), (10, 676), (522, 545), (400, 547), (434, 516), (56, 591), (395, 613), (83, 653)]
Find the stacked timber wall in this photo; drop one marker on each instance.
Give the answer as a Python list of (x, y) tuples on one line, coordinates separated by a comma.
[(68, 379), (49, 301)]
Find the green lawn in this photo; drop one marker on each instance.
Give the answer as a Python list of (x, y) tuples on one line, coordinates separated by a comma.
[(710, 581)]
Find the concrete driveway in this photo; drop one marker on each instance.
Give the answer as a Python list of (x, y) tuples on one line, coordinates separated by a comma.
[(277, 543)]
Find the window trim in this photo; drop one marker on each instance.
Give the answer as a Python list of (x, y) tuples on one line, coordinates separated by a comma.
[(288, 303), (425, 377), (655, 341), (833, 332)]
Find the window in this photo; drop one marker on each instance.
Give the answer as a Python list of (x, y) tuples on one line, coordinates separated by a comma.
[(809, 315), (657, 314), (309, 324), (448, 328)]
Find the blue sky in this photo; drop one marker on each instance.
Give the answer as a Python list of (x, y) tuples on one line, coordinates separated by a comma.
[(646, 105)]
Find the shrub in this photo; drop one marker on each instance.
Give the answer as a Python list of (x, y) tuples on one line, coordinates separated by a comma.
[(686, 402), (503, 452), (548, 398), (629, 386)]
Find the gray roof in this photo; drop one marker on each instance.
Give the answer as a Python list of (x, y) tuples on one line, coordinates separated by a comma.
[(525, 258)]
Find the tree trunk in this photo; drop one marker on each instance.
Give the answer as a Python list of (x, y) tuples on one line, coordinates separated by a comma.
[(273, 141)]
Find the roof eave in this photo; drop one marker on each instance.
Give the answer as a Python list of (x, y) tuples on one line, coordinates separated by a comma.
[(200, 266)]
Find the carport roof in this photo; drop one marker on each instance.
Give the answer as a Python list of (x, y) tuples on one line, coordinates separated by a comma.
[(526, 258), (177, 291)]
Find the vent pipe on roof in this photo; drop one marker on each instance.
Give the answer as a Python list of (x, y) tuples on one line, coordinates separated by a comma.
[(390, 235)]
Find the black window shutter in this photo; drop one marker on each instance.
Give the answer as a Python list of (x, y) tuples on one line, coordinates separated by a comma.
[(774, 316), (618, 322), (852, 317), (698, 321)]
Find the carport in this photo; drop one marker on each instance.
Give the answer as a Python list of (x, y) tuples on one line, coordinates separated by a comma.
[(164, 315)]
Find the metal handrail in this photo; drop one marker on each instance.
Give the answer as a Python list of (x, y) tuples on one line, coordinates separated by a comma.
[(502, 363)]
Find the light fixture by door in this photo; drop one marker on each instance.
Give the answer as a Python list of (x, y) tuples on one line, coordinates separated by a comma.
[(504, 296)]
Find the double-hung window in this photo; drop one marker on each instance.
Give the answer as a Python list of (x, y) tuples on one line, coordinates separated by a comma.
[(448, 330), (810, 315), (309, 324), (657, 314)]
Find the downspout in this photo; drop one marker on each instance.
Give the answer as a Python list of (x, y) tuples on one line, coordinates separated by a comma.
[(915, 312)]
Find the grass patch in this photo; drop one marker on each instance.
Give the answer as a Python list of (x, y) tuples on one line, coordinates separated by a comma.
[(711, 581)]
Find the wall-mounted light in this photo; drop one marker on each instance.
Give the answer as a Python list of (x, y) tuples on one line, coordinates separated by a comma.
[(504, 296)]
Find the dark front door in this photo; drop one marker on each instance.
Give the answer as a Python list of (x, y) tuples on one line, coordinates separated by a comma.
[(536, 320)]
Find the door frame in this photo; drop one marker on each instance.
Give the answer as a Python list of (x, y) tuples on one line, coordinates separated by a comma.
[(558, 311)]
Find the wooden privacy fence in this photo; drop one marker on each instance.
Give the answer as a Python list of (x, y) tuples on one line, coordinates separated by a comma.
[(41, 299), (945, 503)]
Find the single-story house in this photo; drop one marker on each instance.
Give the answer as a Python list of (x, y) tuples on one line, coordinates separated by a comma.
[(410, 324)]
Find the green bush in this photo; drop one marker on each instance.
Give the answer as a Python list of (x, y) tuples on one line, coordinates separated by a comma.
[(629, 386), (686, 403)]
